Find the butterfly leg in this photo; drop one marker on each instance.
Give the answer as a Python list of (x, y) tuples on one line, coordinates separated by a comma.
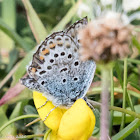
[(42, 105), (50, 112), (89, 104)]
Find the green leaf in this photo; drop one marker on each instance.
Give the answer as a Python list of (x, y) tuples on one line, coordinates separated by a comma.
[(127, 130), (12, 34), (66, 18), (117, 6), (133, 136), (135, 85), (118, 117), (13, 58), (26, 94), (97, 116), (133, 61), (18, 110), (6, 42), (11, 130), (10, 19), (119, 72), (21, 68), (30, 109), (36, 25), (136, 43)]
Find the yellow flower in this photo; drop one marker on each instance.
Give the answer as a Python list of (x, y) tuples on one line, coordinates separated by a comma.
[(76, 123)]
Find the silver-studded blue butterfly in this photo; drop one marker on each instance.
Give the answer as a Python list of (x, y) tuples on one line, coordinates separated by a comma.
[(56, 69)]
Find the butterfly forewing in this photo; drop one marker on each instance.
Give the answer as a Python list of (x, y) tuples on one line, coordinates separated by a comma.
[(72, 31)]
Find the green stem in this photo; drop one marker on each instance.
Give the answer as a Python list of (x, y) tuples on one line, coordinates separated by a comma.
[(47, 133), (124, 93), (29, 136), (97, 90), (112, 101), (130, 101), (18, 118), (104, 106), (129, 112)]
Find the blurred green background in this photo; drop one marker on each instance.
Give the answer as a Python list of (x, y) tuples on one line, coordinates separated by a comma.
[(18, 39)]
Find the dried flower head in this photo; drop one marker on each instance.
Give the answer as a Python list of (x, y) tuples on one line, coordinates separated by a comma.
[(105, 39)]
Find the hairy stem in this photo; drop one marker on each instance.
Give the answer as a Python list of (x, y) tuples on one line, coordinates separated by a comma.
[(104, 132)]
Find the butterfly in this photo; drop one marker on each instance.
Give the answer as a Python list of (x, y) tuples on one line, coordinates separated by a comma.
[(56, 69)]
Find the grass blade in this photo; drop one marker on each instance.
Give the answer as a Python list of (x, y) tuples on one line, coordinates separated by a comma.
[(127, 130), (67, 17), (12, 34), (35, 23)]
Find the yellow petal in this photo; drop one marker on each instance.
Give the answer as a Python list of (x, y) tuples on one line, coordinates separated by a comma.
[(77, 123), (54, 118), (52, 135)]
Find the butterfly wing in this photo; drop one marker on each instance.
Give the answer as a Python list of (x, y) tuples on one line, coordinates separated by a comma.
[(57, 71), (72, 31)]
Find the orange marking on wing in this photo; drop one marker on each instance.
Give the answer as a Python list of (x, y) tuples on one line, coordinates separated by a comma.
[(59, 42), (52, 45), (45, 51), (33, 70), (41, 57)]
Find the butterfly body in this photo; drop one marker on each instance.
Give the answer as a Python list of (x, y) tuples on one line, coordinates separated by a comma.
[(56, 69)]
